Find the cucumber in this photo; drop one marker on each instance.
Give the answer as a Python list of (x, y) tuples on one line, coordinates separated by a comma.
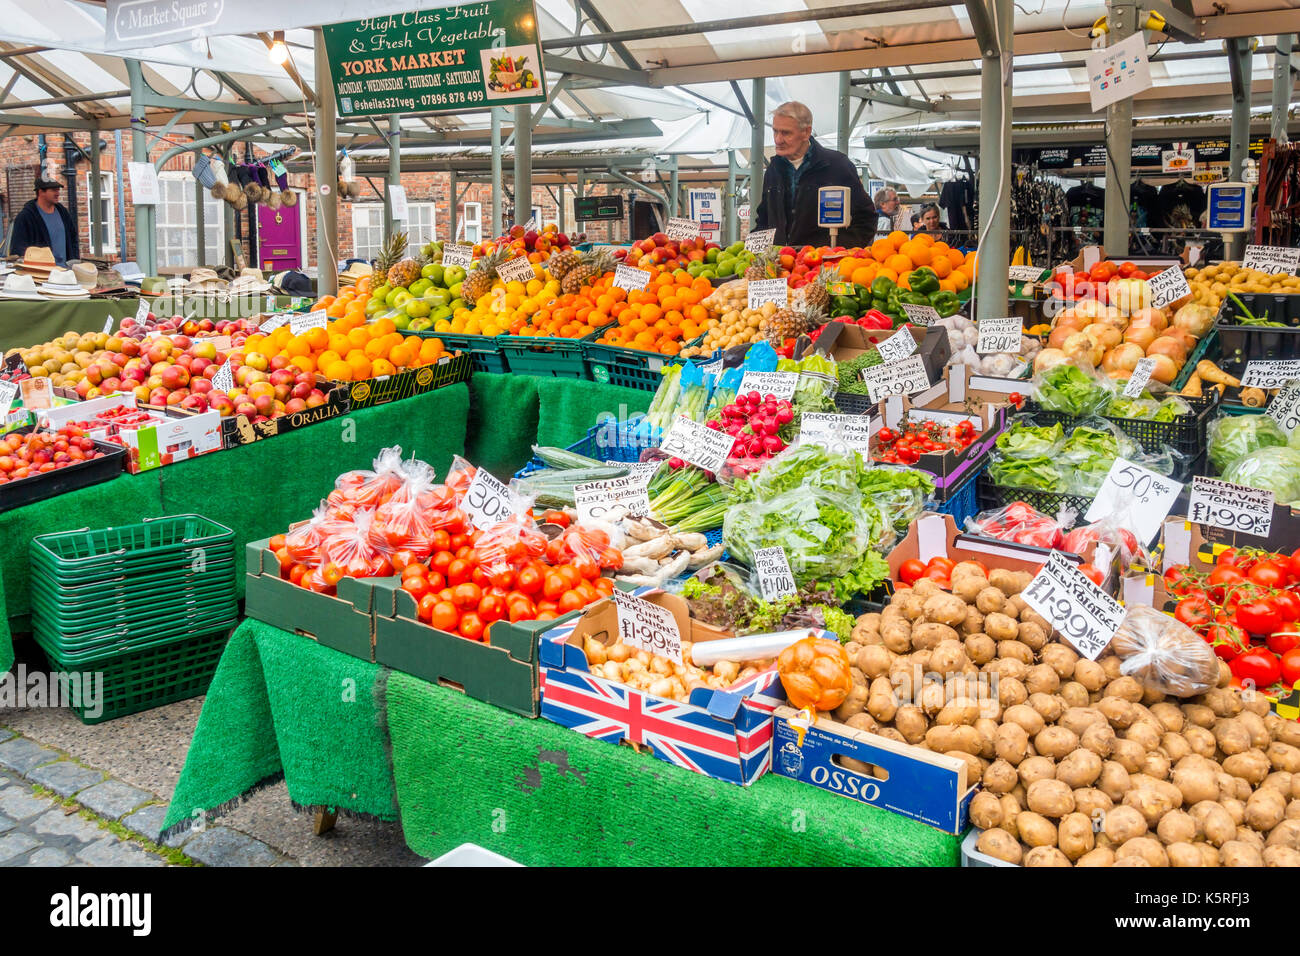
[(562, 458)]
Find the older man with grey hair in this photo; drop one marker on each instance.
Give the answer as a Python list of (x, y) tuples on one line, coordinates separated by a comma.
[(799, 169), (887, 210)]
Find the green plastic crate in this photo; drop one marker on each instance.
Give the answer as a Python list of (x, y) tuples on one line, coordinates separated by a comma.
[(630, 368), (147, 540), (484, 351), (546, 356), (1205, 348), (141, 679)]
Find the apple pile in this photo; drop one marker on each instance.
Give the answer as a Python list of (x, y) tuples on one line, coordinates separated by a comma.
[(34, 453), (659, 250), (139, 328), (264, 388), (237, 329)]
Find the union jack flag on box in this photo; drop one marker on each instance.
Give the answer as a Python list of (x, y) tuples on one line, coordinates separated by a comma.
[(723, 734)]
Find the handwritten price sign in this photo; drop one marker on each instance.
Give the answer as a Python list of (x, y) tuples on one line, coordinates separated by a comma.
[(489, 502), (698, 445), (1083, 612), (999, 335), (1234, 507), (457, 254), (1138, 380), (898, 378), (647, 627), (1145, 496), (1285, 408)]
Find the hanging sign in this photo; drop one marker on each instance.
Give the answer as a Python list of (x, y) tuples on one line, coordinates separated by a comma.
[(437, 60), (1178, 161), (397, 200), (1118, 71), (145, 190)]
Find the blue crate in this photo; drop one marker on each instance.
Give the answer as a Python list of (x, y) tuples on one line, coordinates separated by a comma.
[(623, 441), (963, 503)]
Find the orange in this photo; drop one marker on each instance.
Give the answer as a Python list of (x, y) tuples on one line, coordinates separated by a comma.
[(897, 238), (304, 363), (328, 358), (335, 311), (298, 345), (338, 371), (382, 367), (360, 365), (324, 302), (898, 264), (863, 275), (401, 355), (947, 285), (941, 266), (956, 257), (924, 238), (959, 279), (383, 327), (318, 339), (882, 249), (888, 273), (919, 252), (358, 338), (430, 349), (338, 342)]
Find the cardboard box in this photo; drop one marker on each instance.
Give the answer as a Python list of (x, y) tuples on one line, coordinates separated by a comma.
[(950, 401), (502, 672), (842, 341), (238, 430), (934, 536), (723, 734), (344, 623), (910, 781), (416, 381), (177, 435)]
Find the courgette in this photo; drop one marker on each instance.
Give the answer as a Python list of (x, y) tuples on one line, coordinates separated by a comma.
[(562, 458)]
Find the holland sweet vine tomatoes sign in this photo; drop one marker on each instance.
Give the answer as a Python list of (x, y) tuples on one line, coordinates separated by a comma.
[(440, 60)]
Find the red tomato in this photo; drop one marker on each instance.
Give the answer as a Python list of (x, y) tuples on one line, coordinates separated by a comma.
[(1288, 605), (556, 517), (436, 581), (570, 601), (458, 541), (529, 581), (466, 595), (502, 577), (444, 616), (1281, 642), (1228, 640), (1259, 617), (604, 585), (427, 603), (480, 577), (940, 562), (1269, 574), (1195, 613), (586, 567), (1291, 666), (554, 586), (471, 626), (521, 609), (440, 561), (441, 541), (458, 572), (416, 586), (911, 571), (1293, 565), (492, 608), (1222, 578), (1260, 667)]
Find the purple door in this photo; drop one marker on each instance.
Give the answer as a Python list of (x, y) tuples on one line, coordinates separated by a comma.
[(279, 238)]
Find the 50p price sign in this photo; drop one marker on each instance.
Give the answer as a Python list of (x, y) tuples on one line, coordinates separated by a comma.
[(1168, 286), (647, 627), (489, 502), (1138, 493), (1234, 507), (1083, 612)]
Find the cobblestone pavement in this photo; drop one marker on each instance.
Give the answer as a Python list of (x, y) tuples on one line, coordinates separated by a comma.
[(57, 812)]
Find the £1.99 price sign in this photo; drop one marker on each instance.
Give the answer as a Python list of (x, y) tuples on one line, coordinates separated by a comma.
[(647, 627), (1234, 507), (1083, 612)]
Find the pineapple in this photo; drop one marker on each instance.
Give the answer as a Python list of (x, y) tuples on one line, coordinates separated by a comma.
[(479, 281), (790, 323), (589, 265), (816, 294), (561, 263), (398, 271), (766, 265)]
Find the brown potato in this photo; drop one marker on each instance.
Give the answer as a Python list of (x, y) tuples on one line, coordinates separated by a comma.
[(1177, 826), (1265, 809), (1281, 856), (1046, 856), (1050, 797), (930, 635), (1016, 651), (1196, 784), (1124, 823), (1125, 688), (1199, 715), (1050, 707), (1115, 780), (1074, 835), (1009, 582), (968, 587), (1041, 679), (1101, 856), (1112, 666), (1010, 810), (1010, 691), (912, 606), (949, 655), (990, 600), (943, 739), (1231, 737), (944, 608), (1074, 694), (1286, 833), (1283, 731), (1236, 809), (1128, 754), (897, 636), (1144, 847), (863, 722), (980, 648), (1152, 804), (1090, 674), (854, 703), (1011, 743), (1283, 756), (1255, 726), (1120, 712), (874, 660), (1200, 740), (1251, 766), (1001, 627), (1155, 764), (1033, 636), (1209, 854), (974, 621), (1060, 658), (1144, 735), (1032, 769), (911, 723), (1000, 845), (1169, 715), (1026, 716), (1214, 822), (1007, 668), (1175, 745), (962, 710), (1035, 829), (1239, 853), (985, 810), (1055, 742), (1091, 802), (1224, 702), (1184, 854), (1000, 777), (1081, 768), (1099, 738), (1279, 780)]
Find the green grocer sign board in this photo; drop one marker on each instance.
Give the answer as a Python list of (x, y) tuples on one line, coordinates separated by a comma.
[(440, 60)]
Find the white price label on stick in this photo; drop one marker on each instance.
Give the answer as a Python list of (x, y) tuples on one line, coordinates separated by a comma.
[(679, 228), (1136, 494), (999, 335), (224, 380), (8, 392), (776, 384), (1275, 260), (897, 347), (108, 324), (920, 314), (1168, 286), (762, 291), (760, 240), (1234, 507), (299, 323), (775, 579), (595, 499), (1270, 373), (647, 627), (698, 445), (1083, 612), (457, 254), (274, 322), (839, 433), (1138, 380), (630, 277), (1285, 408), (142, 310), (489, 502), (898, 378), (518, 269)]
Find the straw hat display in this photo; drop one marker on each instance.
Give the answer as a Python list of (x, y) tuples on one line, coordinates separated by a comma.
[(108, 282), (155, 286), (204, 282), (63, 284), (248, 282), (355, 271), (87, 274), (38, 261), (19, 286)]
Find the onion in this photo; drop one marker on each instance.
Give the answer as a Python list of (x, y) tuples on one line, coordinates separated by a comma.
[(1107, 336), (1050, 358), (1188, 340), (1061, 333), (1087, 310), (1122, 358), (1142, 335), (1169, 346), (1153, 317), (1166, 370), (1082, 349), (1194, 319)]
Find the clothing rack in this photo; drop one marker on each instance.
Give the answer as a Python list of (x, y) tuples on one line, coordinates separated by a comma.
[(1278, 201)]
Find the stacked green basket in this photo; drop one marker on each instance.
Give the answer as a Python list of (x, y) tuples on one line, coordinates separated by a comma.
[(148, 606)]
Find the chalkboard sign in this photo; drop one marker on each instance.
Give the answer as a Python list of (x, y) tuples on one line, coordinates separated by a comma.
[(598, 207)]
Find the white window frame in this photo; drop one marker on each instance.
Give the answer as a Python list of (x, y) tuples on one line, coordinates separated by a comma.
[(357, 250), (109, 198), (213, 217), (465, 222), (417, 237)]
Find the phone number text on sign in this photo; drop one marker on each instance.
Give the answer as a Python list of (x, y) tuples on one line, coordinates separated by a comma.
[(1083, 612), (647, 627)]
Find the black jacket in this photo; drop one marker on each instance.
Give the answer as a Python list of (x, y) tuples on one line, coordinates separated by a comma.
[(821, 167), (29, 230)]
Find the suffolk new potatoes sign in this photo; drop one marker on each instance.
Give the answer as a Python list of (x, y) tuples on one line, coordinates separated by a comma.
[(476, 55)]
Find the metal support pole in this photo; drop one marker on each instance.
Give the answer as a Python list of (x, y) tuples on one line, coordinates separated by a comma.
[(756, 161), (559, 199), (452, 203), (1282, 86), (523, 134), (96, 197), (1239, 55), (496, 174), (674, 191), (327, 206), (843, 125), (394, 171), (199, 195), (995, 166), (1118, 139), (228, 220), (146, 254), (729, 200)]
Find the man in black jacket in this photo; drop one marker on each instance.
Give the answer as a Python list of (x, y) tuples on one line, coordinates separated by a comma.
[(45, 222), (800, 167)]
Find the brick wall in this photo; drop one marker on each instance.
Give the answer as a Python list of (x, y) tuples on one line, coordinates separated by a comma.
[(19, 154)]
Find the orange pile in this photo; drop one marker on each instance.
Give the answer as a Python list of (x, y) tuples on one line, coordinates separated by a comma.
[(659, 318), (895, 256), (350, 301), (348, 349)]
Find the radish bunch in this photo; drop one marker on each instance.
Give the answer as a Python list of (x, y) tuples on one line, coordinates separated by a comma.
[(755, 422)]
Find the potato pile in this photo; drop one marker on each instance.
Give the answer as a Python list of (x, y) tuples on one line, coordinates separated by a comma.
[(1211, 285), (1080, 764), (661, 677), (737, 323)]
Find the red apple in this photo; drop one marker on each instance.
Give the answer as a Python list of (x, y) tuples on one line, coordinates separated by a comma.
[(301, 390), (160, 350), (282, 376), (198, 366), (141, 394), (200, 386), (315, 399), (258, 361), (175, 376), (294, 405), (247, 409), (158, 396), (282, 392), (110, 385), (265, 404)]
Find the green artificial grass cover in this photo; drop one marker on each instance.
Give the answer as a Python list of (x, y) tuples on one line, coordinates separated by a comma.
[(280, 705), (502, 423), (570, 406)]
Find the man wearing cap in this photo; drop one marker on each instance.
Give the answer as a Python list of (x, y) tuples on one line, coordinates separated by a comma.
[(45, 222)]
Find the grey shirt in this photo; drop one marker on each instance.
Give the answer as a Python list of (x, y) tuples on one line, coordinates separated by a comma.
[(58, 237)]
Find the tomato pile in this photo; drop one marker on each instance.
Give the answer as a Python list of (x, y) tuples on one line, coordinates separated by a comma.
[(1248, 608), (938, 570), (922, 438), (36, 453)]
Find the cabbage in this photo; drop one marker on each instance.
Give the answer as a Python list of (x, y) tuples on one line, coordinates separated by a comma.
[(1275, 469), (1235, 435)]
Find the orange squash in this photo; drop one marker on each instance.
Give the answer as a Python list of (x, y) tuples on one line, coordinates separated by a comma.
[(815, 673)]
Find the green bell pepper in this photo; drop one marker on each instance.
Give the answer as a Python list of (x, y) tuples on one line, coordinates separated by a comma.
[(945, 303), (883, 286), (913, 298), (924, 281)]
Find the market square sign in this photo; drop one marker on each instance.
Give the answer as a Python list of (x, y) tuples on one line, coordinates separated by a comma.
[(441, 60)]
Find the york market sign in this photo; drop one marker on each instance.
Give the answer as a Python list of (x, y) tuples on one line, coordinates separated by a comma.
[(135, 24), (440, 60)]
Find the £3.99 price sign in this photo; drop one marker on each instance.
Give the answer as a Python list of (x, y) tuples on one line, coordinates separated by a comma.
[(488, 502), (647, 627), (1234, 507), (1083, 612), (897, 378)]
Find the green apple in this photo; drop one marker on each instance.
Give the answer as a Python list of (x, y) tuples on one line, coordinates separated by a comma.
[(381, 290), (451, 275), (711, 255), (708, 273), (457, 304), (402, 297), (437, 296), (725, 269), (421, 325), (375, 306), (402, 321), (434, 272), (454, 289), (736, 248), (418, 308), (390, 297), (420, 286), (440, 313)]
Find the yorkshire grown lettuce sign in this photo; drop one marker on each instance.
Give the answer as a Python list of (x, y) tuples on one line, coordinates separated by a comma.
[(454, 58)]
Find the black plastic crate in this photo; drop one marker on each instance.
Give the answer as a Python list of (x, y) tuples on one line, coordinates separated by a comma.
[(1185, 434), (15, 494), (1239, 343)]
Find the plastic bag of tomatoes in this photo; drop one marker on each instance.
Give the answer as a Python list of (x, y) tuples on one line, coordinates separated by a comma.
[(370, 489), (405, 521), (1018, 522), (348, 551), (302, 541)]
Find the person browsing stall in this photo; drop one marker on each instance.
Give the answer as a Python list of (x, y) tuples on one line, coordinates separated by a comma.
[(44, 221), (799, 169)]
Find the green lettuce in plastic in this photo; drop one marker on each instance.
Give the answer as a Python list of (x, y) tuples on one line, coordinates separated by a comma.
[(1069, 389), (1233, 436), (1031, 441), (1272, 468), (1039, 473)]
